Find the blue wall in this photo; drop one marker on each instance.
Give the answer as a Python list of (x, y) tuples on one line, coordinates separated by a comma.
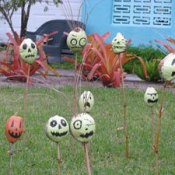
[(99, 14)]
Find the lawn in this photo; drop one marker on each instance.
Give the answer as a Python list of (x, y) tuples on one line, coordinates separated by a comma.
[(36, 154)]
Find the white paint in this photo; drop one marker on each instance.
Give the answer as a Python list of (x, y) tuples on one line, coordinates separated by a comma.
[(69, 10)]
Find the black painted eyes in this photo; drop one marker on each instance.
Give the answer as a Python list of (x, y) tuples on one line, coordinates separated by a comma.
[(53, 123), (25, 46), (77, 124), (82, 42), (63, 122)]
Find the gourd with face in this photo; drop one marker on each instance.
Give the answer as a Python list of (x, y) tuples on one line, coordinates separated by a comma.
[(28, 51), (82, 127), (151, 96), (167, 67), (57, 128), (77, 39), (86, 101), (14, 128), (119, 43)]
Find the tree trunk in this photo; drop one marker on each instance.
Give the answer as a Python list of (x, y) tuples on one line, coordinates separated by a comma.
[(24, 18)]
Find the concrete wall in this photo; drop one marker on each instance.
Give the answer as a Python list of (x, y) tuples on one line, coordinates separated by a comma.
[(112, 16)]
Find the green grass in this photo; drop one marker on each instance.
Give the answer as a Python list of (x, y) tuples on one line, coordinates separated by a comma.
[(38, 155)]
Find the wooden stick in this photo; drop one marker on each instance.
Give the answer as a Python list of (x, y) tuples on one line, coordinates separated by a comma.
[(10, 161), (87, 158), (152, 124), (157, 136), (124, 107), (25, 94), (59, 159), (75, 87)]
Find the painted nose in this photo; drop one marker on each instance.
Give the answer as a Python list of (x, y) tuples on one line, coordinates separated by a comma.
[(29, 50), (59, 126)]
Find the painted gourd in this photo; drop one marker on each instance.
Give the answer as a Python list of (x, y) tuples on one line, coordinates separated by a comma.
[(86, 101), (167, 67), (77, 39), (28, 51), (119, 43), (14, 128), (57, 128), (82, 127), (151, 96)]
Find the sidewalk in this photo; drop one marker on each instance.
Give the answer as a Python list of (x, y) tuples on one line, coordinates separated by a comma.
[(70, 73)]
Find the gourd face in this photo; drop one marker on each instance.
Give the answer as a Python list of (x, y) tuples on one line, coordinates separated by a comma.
[(77, 39), (119, 43), (14, 128), (82, 127), (167, 68), (86, 101), (28, 51), (57, 128), (151, 96)]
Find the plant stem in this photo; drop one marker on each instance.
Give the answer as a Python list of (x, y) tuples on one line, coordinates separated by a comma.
[(87, 158), (157, 137), (59, 159), (124, 106)]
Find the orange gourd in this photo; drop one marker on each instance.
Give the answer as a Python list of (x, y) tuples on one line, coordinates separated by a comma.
[(14, 128)]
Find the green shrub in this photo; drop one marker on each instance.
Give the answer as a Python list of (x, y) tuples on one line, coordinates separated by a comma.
[(152, 70), (148, 53)]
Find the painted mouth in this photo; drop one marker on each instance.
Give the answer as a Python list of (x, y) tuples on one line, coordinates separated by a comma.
[(29, 56), (87, 104), (14, 135), (57, 134), (87, 134), (152, 101)]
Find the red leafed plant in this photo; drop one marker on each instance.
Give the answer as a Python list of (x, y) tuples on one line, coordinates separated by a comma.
[(100, 61), (169, 48), (17, 69)]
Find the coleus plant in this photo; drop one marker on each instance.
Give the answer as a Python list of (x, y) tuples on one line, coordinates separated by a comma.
[(99, 61), (16, 68)]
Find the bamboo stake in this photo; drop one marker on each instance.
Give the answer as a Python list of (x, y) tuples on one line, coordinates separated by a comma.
[(87, 158), (59, 159), (124, 107), (157, 136)]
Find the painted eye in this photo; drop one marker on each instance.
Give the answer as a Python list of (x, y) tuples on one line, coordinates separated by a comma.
[(82, 42), (63, 122), (73, 42), (12, 124), (24, 46), (53, 123), (77, 124), (33, 46)]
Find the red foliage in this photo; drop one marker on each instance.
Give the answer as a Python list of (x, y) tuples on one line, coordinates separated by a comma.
[(16, 68), (99, 61)]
